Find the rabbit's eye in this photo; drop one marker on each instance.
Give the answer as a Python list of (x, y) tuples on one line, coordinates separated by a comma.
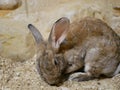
[(55, 61)]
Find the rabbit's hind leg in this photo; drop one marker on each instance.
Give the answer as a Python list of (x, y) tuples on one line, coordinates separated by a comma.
[(90, 72), (91, 68)]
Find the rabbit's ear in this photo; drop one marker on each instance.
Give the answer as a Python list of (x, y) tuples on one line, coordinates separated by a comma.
[(35, 32), (59, 32)]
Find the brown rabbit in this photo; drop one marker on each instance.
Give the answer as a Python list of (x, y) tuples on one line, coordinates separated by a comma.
[(89, 43)]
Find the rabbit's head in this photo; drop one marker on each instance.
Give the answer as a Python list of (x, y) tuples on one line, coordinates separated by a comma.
[(51, 64)]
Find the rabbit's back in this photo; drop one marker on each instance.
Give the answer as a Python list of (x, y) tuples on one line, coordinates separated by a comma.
[(90, 31)]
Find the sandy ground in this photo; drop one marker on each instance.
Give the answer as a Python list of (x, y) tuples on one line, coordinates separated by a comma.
[(23, 76)]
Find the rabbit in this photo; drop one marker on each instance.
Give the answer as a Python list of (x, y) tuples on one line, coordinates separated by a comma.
[(89, 43)]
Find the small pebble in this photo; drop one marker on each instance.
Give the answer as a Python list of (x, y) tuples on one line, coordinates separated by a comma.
[(41, 87), (64, 88)]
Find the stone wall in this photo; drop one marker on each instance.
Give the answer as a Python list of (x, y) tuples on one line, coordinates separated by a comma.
[(17, 43)]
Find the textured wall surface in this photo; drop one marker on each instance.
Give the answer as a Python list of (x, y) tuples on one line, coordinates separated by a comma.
[(17, 43)]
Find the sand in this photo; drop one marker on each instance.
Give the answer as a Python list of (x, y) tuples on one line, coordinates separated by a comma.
[(23, 76)]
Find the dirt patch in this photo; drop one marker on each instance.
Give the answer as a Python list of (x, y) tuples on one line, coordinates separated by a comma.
[(23, 76)]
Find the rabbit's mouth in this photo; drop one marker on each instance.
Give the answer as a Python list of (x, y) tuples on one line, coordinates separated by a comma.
[(53, 80), (56, 81)]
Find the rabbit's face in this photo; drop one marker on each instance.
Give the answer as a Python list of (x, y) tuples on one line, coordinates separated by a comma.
[(51, 65)]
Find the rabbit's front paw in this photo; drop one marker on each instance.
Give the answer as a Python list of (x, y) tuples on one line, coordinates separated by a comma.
[(80, 77)]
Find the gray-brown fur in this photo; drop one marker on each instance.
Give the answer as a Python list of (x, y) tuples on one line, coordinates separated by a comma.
[(89, 43)]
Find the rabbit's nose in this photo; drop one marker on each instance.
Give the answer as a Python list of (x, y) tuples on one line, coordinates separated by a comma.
[(55, 84)]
